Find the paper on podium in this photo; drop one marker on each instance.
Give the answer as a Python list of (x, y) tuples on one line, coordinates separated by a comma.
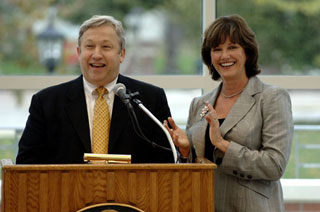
[(106, 158)]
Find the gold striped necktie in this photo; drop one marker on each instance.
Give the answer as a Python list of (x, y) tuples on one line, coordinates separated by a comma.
[(101, 123)]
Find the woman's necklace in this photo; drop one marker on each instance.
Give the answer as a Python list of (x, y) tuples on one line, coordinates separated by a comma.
[(232, 95)]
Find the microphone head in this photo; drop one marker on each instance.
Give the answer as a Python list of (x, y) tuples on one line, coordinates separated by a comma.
[(118, 87)]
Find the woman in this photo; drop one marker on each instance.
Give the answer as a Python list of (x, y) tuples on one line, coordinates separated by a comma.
[(244, 125)]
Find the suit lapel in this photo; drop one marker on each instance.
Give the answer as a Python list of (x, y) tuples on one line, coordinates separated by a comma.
[(120, 117), (199, 125), (242, 105), (77, 111)]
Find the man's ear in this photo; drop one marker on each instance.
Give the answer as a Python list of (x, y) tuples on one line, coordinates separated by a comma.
[(78, 50), (122, 55)]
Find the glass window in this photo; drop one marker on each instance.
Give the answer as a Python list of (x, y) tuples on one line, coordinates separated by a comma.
[(14, 106), (179, 101), (288, 33), (164, 37), (304, 159)]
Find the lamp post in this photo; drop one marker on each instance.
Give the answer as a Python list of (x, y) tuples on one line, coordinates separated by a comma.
[(133, 20), (50, 44)]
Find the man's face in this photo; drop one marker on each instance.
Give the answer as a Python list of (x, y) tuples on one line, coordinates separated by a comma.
[(100, 55)]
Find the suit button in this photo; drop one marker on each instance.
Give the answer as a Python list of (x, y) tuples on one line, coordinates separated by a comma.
[(242, 175), (249, 177), (235, 172)]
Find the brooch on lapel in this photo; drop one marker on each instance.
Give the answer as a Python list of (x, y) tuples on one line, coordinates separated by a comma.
[(204, 112)]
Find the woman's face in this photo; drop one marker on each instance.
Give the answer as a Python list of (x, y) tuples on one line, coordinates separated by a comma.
[(229, 60)]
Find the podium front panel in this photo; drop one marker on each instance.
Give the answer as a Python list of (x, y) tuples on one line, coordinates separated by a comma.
[(149, 187)]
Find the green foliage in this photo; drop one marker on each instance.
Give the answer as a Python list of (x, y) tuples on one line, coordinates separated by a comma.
[(19, 45), (9, 67), (80, 10), (16, 39), (184, 27), (160, 61), (288, 32), (309, 7), (188, 61)]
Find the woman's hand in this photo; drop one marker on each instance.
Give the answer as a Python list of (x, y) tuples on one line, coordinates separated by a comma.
[(214, 132), (178, 136)]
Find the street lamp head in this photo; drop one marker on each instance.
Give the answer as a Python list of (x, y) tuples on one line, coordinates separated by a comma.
[(50, 45)]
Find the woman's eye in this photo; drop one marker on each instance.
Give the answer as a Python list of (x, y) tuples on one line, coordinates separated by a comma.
[(216, 49)]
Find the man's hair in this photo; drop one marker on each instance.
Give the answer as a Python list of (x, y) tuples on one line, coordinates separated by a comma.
[(238, 31), (99, 20)]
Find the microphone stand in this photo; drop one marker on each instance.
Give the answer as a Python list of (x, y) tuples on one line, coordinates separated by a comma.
[(144, 109)]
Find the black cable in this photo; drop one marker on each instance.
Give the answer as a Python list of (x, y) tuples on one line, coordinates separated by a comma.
[(138, 131)]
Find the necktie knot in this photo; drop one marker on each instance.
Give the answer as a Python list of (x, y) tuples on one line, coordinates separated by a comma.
[(101, 91)]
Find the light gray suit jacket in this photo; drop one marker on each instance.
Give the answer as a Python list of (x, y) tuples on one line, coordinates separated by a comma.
[(259, 128)]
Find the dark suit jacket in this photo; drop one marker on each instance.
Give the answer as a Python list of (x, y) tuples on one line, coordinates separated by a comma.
[(57, 129)]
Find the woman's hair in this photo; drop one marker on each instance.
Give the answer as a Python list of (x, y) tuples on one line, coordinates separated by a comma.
[(238, 31), (99, 20)]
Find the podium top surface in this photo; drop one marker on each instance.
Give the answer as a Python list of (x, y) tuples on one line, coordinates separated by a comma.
[(149, 166)]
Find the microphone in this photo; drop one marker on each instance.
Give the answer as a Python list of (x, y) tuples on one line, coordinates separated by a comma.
[(120, 90)]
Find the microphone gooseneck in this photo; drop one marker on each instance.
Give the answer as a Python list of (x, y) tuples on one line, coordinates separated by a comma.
[(120, 90), (172, 146)]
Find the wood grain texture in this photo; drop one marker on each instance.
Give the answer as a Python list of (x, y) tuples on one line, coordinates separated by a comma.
[(150, 187), (196, 193), (132, 189), (33, 192), (65, 191), (22, 192), (175, 191), (43, 192)]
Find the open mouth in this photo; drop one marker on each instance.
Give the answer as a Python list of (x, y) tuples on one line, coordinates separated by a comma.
[(227, 64), (97, 65)]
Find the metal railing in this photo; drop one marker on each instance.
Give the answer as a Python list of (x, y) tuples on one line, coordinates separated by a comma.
[(304, 146)]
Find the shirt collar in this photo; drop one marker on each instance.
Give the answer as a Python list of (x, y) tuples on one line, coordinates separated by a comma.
[(90, 88)]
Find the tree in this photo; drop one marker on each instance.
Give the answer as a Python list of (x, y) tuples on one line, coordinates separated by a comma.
[(17, 42), (287, 32)]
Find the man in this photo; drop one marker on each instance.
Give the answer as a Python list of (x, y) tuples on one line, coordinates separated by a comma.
[(60, 127)]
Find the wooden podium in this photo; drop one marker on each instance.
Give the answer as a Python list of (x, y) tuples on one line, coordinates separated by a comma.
[(149, 187)]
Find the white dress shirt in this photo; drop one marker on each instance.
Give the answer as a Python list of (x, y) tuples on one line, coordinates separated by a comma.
[(91, 96)]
